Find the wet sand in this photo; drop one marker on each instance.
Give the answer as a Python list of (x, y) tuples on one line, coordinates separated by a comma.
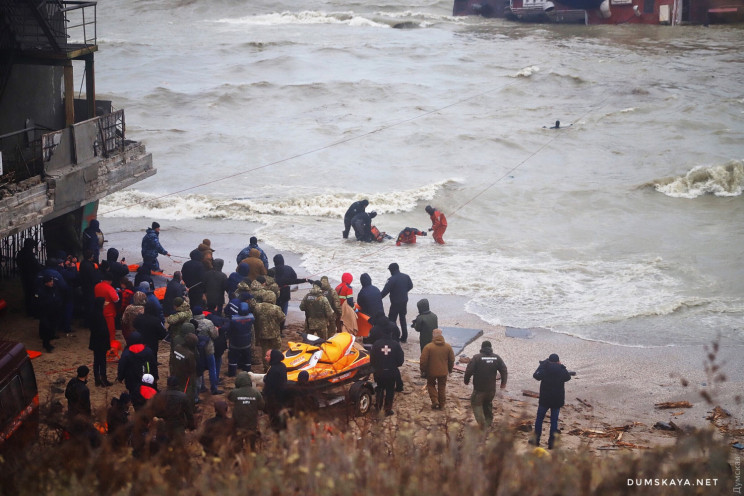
[(614, 385)]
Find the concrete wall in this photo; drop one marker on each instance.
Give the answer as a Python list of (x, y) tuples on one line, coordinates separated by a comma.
[(33, 92)]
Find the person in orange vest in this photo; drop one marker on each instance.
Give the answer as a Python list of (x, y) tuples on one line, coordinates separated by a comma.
[(344, 291), (438, 223), (408, 236)]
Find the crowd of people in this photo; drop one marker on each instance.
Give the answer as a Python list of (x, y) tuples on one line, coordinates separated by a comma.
[(204, 314)]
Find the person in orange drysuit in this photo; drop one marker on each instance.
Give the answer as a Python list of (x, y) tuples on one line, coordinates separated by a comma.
[(438, 223), (408, 236)]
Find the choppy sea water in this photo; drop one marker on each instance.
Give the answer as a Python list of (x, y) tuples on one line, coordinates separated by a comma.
[(623, 226)]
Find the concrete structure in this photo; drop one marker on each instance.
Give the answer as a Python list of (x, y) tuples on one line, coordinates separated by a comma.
[(59, 155)]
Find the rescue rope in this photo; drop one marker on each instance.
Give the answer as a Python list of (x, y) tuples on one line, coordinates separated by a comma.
[(311, 151), (528, 157)]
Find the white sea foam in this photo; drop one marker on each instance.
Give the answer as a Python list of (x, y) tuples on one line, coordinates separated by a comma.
[(718, 180), (304, 17), (133, 203), (527, 71)]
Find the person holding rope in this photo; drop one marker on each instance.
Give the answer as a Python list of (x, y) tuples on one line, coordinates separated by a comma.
[(438, 223), (151, 247)]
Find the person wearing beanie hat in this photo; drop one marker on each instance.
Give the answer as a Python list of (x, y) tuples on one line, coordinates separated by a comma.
[(397, 286), (438, 223), (151, 247), (253, 244), (357, 207), (147, 389), (553, 376), (485, 368), (78, 394)]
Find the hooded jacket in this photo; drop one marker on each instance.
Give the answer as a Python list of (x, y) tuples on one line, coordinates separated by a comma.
[(275, 380), (215, 283), (150, 327), (117, 269), (331, 295), (425, 322), (398, 285), (437, 358), (136, 308), (174, 289), (344, 291), (136, 361), (247, 402), (90, 238), (255, 265), (285, 276), (192, 273), (369, 297), (382, 327), (241, 272), (240, 332)]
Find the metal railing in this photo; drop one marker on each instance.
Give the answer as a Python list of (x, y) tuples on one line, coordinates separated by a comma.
[(112, 130), (22, 156), (10, 245)]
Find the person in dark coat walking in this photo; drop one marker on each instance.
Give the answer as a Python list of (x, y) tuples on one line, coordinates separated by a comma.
[(398, 286), (99, 343), (484, 368), (552, 375), (355, 208), (78, 394), (386, 357), (369, 298), (29, 267)]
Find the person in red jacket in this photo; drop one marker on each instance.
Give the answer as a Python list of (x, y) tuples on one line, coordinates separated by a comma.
[(408, 236), (438, 223), (105, 290), (345, 293)]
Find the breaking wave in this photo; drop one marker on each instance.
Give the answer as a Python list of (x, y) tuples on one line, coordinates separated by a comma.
[(718, 180), (304, 17), (133, 203)]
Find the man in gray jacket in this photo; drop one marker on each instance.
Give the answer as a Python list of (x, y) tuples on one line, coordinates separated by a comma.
[(484, 368)]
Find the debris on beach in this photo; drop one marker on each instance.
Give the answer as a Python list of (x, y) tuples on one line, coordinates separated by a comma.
[(673, 404), (584, 402), (614, 432), (665, 426), (531, 394)]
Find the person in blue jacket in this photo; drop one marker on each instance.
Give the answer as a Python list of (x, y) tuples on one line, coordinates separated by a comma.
[(151, 247)]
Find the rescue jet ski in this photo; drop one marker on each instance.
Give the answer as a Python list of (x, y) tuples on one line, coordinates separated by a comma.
[(330, 362)]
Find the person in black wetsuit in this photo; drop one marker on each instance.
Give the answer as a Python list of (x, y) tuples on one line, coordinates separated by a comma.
[(355, 208)]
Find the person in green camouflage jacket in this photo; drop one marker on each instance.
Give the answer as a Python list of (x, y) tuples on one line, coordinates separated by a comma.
[(335, 301), (318, 312), (267, 327)]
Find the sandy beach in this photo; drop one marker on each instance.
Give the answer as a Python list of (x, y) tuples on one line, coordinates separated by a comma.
[(614, 386)]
